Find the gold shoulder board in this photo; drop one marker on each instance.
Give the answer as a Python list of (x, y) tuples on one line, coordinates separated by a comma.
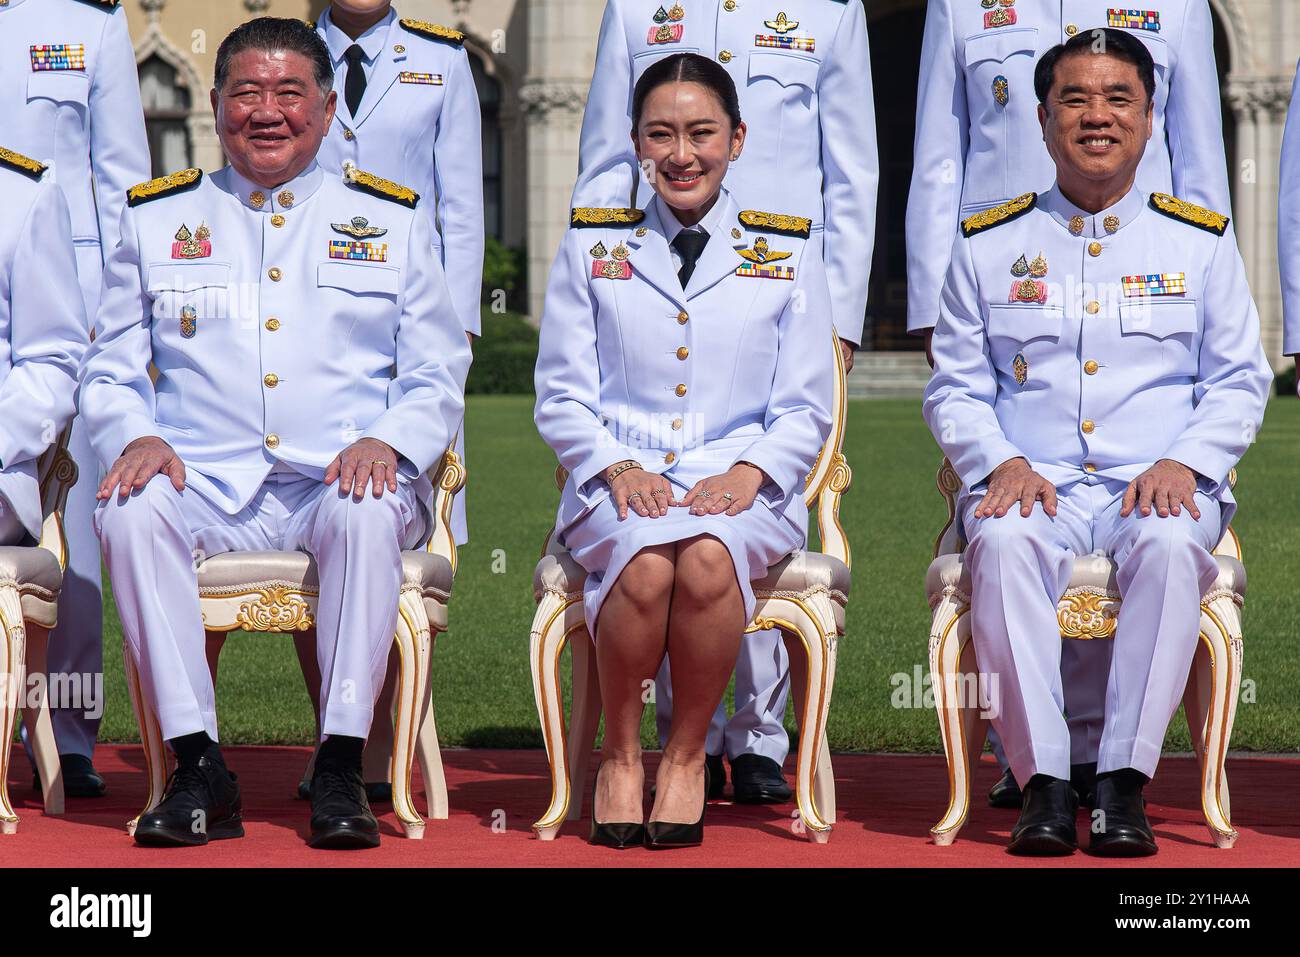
[(584, 216), (111, 4), (998, 215), (180, 182), (21, 164), (383, 188), (777, 223), (1190, 213), (434, 31)]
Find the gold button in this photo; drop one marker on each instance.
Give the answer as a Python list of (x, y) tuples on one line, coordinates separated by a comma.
[(272, 441), (729, 5), (1088, 427), (670, 458), (277, 220), (271, 380), (677, 425), (273, 324), (1089, 467), (1071, 29), (398, 48), (681, 389), (257, 199), (1094, 249), (274, 273), (682, 353), (725, 56), (285, 198), (1093, 307), (1091, 367), (1076, 225), (682, 318), (347, 134)]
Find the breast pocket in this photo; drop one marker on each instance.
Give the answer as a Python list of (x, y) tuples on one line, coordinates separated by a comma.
[(1162, 333), (1016, 330), (187, 296), (69, 88)]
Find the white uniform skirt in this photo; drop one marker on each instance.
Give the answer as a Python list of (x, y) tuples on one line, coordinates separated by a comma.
[(757, 538)]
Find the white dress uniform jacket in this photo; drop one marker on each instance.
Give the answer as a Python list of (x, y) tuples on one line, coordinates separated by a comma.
[(1094, 345), (736, 367), (42, 334), (419, 125), (978, 140), (1288, 227), (805, 94)]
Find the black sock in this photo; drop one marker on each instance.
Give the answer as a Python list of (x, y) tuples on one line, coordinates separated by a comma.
[(189, 748), (341, 749)]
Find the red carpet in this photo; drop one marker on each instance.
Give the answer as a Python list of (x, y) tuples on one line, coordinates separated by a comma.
[(886, 805)]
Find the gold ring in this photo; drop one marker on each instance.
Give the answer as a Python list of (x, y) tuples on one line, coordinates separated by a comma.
[(380, 462)]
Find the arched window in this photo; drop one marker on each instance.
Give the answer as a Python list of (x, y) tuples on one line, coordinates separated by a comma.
[(489, 98), (166, 114)]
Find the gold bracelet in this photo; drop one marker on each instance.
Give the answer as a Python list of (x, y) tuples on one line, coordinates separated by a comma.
[(617, 470)]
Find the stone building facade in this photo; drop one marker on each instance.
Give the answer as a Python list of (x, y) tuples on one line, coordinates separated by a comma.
[(533, 62)]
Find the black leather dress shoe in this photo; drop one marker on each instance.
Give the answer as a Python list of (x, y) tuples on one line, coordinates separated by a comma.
[(666, 835), (1046, 825), (1006, 793), (341, 818), (80, 779), (717, 777), (756, 779), (1122, 828), (201, 804), (1083, 778)]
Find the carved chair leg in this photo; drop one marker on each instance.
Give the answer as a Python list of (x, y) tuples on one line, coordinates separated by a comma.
[(12, 687), (304, 644), (412, 641), (39, 723), (151, 739), (952, 656), (1216, 668), (546, 642), (430, 754), (810, 638), (377, 759), (584, 717)]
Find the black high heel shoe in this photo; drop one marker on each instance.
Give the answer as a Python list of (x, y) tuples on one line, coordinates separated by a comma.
[(618, 835), (662, 835)]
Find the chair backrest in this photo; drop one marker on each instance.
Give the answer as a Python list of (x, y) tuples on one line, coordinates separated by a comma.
[(952, 542), (829, 479), (56, 473), (448, 478)]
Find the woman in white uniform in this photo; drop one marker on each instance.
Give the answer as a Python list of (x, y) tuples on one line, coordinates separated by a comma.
[(684, 381)]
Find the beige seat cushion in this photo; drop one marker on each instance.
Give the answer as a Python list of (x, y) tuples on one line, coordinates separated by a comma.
[(35, 572), (423, 571)]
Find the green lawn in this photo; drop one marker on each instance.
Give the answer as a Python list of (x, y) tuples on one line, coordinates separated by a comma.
[(482, 686)]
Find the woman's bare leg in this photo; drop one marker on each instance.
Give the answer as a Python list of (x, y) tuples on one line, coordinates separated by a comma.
[(705, 626), (630, 644)]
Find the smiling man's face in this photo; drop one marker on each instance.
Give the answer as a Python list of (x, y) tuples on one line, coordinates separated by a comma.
[(1097, 121), (271, 115)]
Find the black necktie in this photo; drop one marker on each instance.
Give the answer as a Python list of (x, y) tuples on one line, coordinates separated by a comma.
[(689, 244), (354, 86)]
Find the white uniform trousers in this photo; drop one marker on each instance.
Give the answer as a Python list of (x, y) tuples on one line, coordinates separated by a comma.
[(155, 539), (1019, 568), (12, 531), (762, 688)]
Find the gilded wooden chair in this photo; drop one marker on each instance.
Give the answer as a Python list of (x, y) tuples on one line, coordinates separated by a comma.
[(804, 596), (276, 593), (1088, 611), (31, 578)]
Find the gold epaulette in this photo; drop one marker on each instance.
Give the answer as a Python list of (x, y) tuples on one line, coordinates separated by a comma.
[(434, 31), (998, 215), (21, 164), (584, 216), (777, 223), (180, 182), (111, 4), (376, 186), (1190, 213)]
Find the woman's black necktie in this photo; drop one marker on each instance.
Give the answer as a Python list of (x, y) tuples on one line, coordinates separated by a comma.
[(354, 85), (689, 244)]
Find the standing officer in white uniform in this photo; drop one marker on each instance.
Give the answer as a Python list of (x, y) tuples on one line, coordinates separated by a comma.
[(978, 144), (803, 72), (42, 336), (70, 99), (1096, 406), (1288, 227), (309, 374)]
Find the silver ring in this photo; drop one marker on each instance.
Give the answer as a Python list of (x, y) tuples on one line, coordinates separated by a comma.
[(634, 495), (705, 493), (728, 496)]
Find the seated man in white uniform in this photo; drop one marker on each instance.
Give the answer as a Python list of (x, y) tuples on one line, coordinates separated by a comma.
[(1097, 407), (309, 366)]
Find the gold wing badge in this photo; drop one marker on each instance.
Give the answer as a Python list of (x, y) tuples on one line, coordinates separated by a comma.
[(762, 253), (781, 24)]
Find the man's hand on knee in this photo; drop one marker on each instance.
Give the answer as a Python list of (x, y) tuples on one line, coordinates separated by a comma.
[(1168, 486), (364, 461), (1015, 481), (139, 462)]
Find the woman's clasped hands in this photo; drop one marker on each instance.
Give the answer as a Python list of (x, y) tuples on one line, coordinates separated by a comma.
[(651, 495)]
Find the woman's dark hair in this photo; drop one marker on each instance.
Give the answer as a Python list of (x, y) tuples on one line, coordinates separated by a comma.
[(1106, 42), (277, 33), (687, 68)]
